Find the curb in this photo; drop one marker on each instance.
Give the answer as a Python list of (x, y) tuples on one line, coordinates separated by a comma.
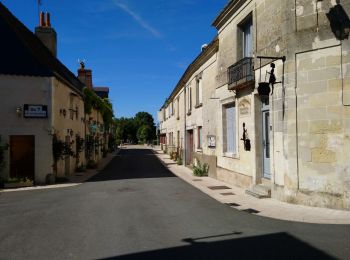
[(81, 177), (270, 208)]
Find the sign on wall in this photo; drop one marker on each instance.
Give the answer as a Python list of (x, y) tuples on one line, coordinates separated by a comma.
[(244, 108), (34, 111), (211, 141)]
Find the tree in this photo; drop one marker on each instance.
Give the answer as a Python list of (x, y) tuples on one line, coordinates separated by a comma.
[(144, 134), (134, 129)]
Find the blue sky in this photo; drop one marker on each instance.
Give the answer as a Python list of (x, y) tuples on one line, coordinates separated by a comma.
[(138, 48)]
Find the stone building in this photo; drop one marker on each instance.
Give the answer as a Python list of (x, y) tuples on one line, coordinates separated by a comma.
[(293, 143), (42, 108)]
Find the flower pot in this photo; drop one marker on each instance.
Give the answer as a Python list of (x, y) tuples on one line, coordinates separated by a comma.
[(264, 89)]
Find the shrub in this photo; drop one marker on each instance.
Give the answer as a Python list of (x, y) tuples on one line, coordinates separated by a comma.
[(3, 147), (200, 169), (91, 164), (80, 168), (179, 160)]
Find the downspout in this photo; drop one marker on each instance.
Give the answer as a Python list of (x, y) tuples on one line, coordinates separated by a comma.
[(185, 135)]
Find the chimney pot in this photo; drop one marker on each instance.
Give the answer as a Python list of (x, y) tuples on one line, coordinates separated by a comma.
[(48, 20), (41, 19)]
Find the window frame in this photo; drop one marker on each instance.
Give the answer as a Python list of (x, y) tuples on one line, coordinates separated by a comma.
[(233, 137)]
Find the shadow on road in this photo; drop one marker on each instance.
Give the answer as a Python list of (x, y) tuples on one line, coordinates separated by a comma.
[(133, 164), (272, 246)]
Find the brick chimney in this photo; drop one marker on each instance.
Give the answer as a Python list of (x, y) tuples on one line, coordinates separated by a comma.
[(46, 33), (85, 75)]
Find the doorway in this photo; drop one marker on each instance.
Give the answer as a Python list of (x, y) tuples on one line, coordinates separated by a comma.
[(22, 156), (189, 159), (266, 138)]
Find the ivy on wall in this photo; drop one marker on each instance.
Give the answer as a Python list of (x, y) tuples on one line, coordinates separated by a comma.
[(3, 147), (103, 105)]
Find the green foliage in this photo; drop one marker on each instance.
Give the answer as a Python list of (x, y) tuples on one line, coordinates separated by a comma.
[(3, 147), (139, 128), (179, 160), (144, 133), (111, 143), (60, 149), (174, 155), (91, 164), (18, 180), (103, 105), (80, 168), (89, 146), (200, 169), (89, 100), (79, 147)]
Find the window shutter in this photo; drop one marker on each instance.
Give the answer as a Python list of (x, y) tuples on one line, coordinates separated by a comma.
[(231, 129)]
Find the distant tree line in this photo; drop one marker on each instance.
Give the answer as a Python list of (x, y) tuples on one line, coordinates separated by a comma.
[(137, 129)]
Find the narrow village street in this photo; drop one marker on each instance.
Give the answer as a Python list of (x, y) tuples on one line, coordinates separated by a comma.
[(136, 209)]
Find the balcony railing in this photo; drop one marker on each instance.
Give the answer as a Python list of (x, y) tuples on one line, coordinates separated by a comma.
[(241, 74)]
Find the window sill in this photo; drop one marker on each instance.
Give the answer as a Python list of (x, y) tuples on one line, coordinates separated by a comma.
[(199, 105), (231, 155), (199, 150)]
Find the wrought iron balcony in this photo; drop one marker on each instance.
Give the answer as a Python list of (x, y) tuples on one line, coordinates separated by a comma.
[(241, 74)]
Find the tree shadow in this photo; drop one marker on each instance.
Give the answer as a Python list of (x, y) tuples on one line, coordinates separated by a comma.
[(133, 164), (271, 246)]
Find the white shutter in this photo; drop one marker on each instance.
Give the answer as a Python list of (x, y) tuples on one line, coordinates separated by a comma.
[(231, 129), (200, 91)]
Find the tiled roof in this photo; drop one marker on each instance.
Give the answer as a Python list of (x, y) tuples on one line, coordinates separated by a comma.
[(22, 53)]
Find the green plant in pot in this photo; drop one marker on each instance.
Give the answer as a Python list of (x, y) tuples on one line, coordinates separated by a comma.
[(200, 169)]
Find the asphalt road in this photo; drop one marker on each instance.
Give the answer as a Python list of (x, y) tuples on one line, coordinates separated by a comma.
[(136, 209)]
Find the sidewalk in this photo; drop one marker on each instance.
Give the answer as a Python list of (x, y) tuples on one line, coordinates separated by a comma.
[(76, 179), (236, 197)]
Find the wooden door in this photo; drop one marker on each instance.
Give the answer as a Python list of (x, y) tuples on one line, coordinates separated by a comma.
[(22, 156), (189, 147)]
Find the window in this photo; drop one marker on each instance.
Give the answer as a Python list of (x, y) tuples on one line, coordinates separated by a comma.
[(189, 102), (199, 91), (178, 108), (200, 137), (178, 139), (247, 37), (229, 127), (172, 108)]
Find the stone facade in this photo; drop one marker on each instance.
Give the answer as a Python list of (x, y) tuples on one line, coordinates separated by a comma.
[(307, 124)]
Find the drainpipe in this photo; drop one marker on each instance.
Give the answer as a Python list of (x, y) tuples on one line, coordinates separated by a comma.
[(185, 134)]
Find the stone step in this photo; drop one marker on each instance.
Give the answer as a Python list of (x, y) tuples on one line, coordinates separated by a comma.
[(259, 191)]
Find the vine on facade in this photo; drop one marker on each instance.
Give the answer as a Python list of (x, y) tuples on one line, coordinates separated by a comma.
[(3, 147), (61, 149)]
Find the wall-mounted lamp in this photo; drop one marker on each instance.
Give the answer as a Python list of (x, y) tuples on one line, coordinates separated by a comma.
[(19, 111), (70, 132), (63, 112), (339, 21)]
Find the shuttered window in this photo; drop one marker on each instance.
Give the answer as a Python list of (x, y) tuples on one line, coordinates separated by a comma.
[(230, 128)]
